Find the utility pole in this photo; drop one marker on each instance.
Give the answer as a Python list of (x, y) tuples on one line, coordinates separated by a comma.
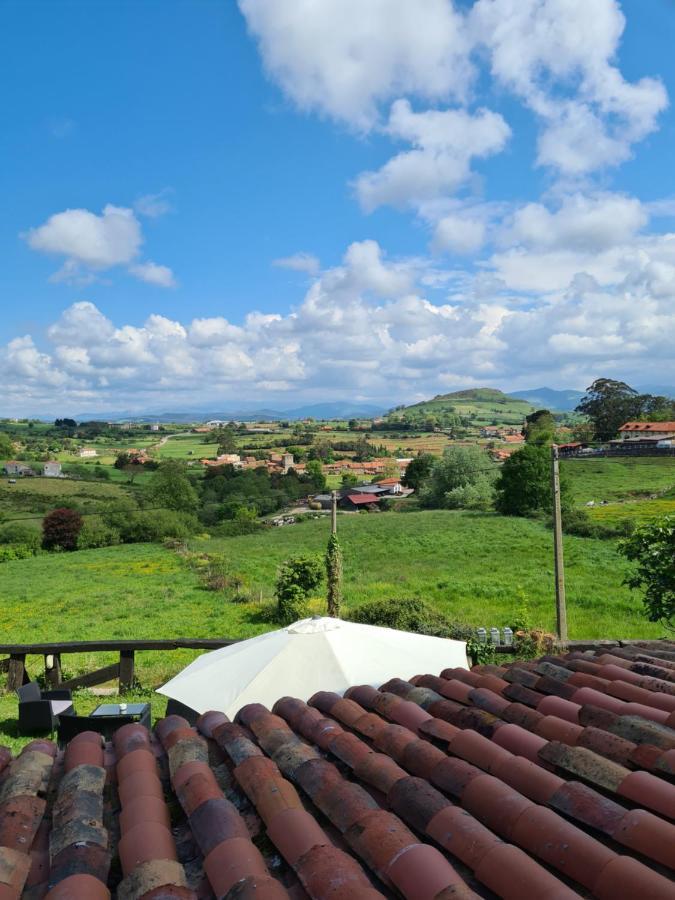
[(561, 609), (333, 512)]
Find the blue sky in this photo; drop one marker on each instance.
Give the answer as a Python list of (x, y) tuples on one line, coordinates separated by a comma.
[(271, 202)]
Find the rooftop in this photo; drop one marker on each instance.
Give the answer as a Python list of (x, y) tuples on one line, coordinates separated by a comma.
[(648, 426), (550, 778)]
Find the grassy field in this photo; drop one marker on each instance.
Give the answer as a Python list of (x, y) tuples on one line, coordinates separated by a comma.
[(187, 446), (619, 479), (474, 567), (31, 498)]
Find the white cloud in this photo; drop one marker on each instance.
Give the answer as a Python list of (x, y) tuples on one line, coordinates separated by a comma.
[(559, 60), (348, 59), (584, 223), (93, 243), (460, 233), (154, 205), (344, 57), (111, 239), (366, 327), (153, 274), (444, 142), (299, 262)]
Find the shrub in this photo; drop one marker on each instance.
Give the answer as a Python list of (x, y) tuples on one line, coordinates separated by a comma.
[(10, 552), (21, 534), (295, 579), (652, 547), (97, 534), (60, 529), (404, 614), (578, 522), (292, 605), (154, 526)]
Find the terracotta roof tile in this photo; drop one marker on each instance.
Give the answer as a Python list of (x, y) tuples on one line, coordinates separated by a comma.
[(546, 778)]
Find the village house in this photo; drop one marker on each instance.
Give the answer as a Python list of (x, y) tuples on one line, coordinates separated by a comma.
[(52, 469), (87, 453), (12, 467), (647, 431)]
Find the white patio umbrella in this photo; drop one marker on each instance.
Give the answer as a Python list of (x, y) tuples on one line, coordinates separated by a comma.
[(317, 654)]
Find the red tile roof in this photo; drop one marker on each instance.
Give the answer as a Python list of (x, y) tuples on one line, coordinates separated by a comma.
[(550, 778), (648, 426), (360, 499)]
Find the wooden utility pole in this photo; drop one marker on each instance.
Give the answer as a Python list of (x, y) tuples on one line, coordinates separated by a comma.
[(561, 609), (333, 512)]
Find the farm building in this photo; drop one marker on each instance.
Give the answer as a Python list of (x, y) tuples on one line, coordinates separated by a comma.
[(52, 469), (12, 467), (357, 500), (87, 453), (641, 431)]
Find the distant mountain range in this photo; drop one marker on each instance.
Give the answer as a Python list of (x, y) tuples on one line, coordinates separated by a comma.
[(334, 410), (539, 398), (548, 398), (566, 401)]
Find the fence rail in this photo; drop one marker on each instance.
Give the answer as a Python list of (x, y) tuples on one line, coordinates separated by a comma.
[(124, 670)]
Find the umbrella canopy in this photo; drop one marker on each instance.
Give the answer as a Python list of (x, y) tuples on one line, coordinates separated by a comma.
[(310, 655)]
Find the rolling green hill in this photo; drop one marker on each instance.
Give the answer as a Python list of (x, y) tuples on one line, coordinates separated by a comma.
[(482, 406)]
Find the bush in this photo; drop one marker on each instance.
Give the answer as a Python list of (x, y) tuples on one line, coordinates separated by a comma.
[(578, 522), (652, 547), (295, 579), (96, 534), (21, 534), (292, 605), (405, 614), (10, 552), (155, 526), (60, 529)]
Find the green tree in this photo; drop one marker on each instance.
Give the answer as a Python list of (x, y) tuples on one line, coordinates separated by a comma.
[(652, 547), (315, 472), (539, 427), (419, 469), (334, 576), (609, 404), (348, 479), (462, 477), (227, 440), (524, 483), (6, 447), (171, 488)]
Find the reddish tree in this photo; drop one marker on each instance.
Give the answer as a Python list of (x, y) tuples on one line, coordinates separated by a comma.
[(60, 528)]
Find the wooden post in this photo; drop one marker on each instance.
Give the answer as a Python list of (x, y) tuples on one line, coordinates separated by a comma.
[(126, 670), (561, 609), (53, 672), (16, 674), (333, 512)]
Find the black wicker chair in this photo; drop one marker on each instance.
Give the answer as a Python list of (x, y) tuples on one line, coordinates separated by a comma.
[(39, 711)]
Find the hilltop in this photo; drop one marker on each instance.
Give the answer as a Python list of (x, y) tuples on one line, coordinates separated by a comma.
[(481, 406)]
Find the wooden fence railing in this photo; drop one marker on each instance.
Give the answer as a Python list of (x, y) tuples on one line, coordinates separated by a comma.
[(15, 664)]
